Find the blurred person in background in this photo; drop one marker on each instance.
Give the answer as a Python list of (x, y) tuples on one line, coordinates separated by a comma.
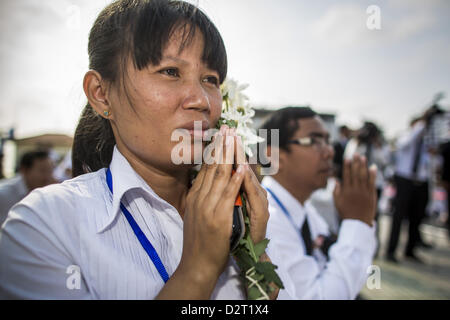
[(445, 177), (63, 170), (412, 177), (1, 165), (369, 143), (313, 264), (339, 148), (35, 171)]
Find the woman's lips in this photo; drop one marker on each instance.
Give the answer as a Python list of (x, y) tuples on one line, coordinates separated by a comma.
[(198, 133), (197, 129)]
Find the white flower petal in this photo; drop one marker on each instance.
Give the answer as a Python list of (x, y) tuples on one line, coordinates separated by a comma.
[(236, 108)]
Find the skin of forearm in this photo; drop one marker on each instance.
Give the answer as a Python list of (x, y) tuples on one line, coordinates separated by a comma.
[(197, 285), (188, 286)]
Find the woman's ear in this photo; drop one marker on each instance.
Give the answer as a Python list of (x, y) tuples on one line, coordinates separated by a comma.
[(96, 92)]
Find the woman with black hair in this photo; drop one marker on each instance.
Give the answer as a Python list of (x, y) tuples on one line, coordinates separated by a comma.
[(131, 225)]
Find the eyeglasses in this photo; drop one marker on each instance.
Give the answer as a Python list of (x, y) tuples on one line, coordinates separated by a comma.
[(317, 141)]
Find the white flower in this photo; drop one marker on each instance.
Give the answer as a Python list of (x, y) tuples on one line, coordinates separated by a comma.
[(236, 112), (231, 89)]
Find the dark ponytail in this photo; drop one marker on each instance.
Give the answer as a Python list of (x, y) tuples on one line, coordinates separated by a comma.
[(138, 30), (93, 143)]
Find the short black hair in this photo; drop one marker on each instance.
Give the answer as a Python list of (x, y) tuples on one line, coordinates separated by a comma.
[(140, 30), (27, 160), (369, 132), (286, 121)]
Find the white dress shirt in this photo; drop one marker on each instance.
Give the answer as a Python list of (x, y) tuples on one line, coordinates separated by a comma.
[(406, 148), (313, 277), (11, 191), (322, 200), (78, 225)]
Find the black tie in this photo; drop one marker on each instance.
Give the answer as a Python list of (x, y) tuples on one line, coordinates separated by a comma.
[(417, 155), (369, 153), (327, 243), (306, 235)]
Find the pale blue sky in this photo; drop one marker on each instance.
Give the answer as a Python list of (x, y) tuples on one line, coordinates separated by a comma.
[(290, 52)]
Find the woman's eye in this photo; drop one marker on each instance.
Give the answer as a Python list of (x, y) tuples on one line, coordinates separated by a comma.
[(171, 72), (213, 80)]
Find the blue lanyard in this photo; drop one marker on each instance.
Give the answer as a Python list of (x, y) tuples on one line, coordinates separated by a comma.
[(140, 235), (285, 211), (283, 208)]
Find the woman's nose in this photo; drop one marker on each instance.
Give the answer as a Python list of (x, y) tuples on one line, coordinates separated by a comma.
[(196, 98)]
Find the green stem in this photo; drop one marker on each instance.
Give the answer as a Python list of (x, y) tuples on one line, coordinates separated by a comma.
[(247, 230)]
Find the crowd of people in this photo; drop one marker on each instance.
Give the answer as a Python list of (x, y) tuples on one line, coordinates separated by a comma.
[(407, 167), (123, 181)]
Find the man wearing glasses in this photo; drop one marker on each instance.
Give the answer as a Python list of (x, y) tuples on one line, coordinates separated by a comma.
[(313, 264)]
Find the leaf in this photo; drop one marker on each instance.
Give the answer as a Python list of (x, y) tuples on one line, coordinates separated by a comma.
[(261, 247), (243, 259), (245, 214), (258, 277), (253, 293), (277, 280), (231, 123), (268, 270), (242, 241), (264, 267), (250, 246)]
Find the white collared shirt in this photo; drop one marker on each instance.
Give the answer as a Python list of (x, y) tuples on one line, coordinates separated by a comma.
[(76, 228), (406, 150), (313, 277), (11, 191)]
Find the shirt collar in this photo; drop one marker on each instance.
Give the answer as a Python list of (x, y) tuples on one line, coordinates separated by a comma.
[(22, 186), (124, 179), (293, 206)]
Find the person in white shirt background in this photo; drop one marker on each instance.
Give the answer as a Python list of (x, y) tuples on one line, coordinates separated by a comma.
[(412, 175), (311, 266), (35, 171), (156, 66)]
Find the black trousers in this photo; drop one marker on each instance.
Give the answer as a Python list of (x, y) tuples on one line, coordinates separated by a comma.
[(377, 216), (410, 202), (448, 210)]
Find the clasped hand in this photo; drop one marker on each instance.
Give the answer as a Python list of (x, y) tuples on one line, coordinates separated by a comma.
[(210, 202), (355, 197)]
